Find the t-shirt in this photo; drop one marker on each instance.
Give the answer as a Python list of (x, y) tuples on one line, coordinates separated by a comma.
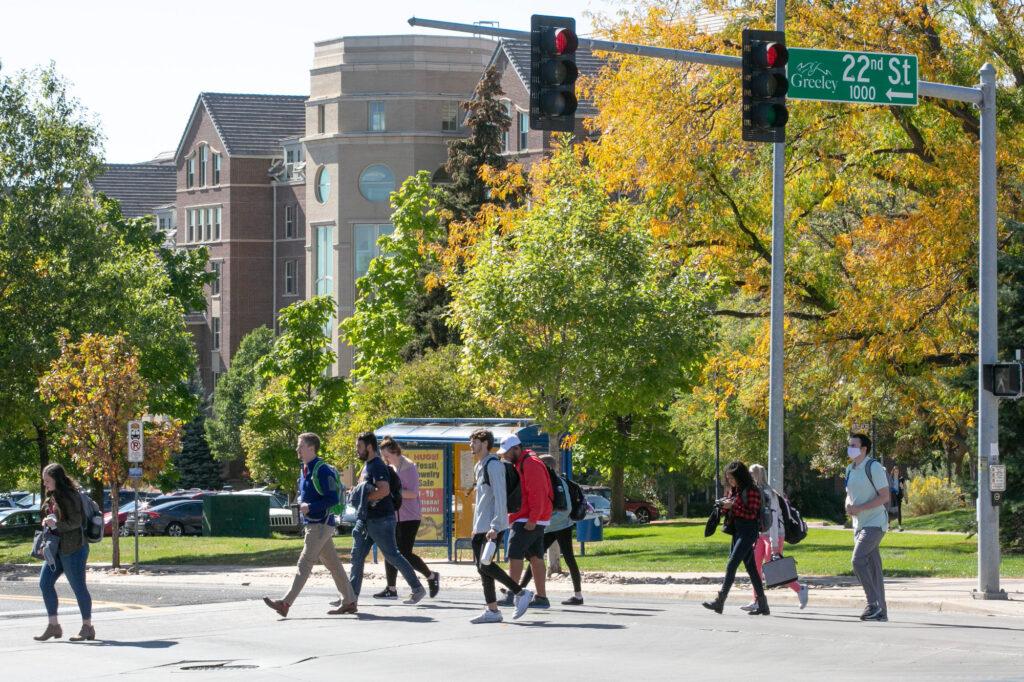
[(410, 477), (374, 472), (860, 490)]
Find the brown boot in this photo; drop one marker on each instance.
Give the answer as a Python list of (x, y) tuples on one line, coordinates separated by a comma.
[(87, 633), (344, 609), (50, 631), (280, 606)]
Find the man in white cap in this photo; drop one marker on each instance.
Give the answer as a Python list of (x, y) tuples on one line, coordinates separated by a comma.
[(528, 522)]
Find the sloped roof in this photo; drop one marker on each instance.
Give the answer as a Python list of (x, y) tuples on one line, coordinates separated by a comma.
[(139, 187), (252, 125), (518, 53)]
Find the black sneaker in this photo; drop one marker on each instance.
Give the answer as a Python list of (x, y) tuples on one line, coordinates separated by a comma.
[(540, 603), (868, 610), (573, 601), (878, 616), (434, 584), (507, 600), (387, 593)]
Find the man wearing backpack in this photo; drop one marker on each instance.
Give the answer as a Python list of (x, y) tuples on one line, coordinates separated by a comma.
[(530, 520), (318, 493), (375, 520), (867, 498), (490, 521)]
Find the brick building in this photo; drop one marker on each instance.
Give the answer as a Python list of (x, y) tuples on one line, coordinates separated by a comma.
[(141, 189)]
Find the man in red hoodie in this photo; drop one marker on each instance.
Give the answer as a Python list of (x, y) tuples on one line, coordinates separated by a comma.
[(528, 522)]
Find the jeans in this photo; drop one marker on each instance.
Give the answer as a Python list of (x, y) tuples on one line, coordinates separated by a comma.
[(867, 564), (743, 552), (492, 571), (73, 566), (564, 539), (318, 543), (381, 532), (405, 535)]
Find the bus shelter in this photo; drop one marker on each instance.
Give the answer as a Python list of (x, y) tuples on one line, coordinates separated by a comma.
[(440, 449)]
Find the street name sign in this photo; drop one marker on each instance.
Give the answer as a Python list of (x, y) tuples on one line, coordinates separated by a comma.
[(135, 449), (852, 77)]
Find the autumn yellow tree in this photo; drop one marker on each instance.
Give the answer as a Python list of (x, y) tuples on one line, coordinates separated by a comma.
[(95, 388)]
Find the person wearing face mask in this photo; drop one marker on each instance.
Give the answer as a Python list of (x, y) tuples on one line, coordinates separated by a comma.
[(867, 501)]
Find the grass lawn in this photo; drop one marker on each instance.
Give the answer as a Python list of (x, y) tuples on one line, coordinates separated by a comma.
[(672, 547), (955, 520)]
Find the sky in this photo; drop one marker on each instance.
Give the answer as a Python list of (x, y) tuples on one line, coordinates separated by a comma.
[(137, 66)]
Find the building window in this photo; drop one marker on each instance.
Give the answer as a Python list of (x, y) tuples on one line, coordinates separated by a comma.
[(377, 182), (450, 116), (216, 378), (215, 284), (324, 282), (191, 225), (216, 169), (320, 118), (215, 328), (216, 224), (504, 135), (366, 249), (291, 268), (190, 171), (289, 221), (524, 129), (323, 185), (202, 165), (208, 224), (377, 117)]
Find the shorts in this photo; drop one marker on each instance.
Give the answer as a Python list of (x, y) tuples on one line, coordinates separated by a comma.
[(524, 544)]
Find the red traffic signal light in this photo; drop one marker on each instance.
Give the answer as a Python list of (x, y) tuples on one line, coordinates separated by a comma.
[(765, 85), (553, 73)]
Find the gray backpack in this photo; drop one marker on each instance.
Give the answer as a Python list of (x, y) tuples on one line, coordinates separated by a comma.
[(92, 518)]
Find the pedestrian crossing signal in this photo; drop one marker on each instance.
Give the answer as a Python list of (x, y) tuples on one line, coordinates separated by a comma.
[(1003, 380)]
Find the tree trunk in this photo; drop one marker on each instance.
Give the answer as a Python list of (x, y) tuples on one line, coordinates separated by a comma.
[(670, 498), (43, 444), (624, 426), (115, 527)]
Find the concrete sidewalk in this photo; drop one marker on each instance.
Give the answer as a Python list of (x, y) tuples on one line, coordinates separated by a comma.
[(945, 595)]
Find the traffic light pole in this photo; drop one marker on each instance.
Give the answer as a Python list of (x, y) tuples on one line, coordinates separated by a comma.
[(776, 409), (984, 97)]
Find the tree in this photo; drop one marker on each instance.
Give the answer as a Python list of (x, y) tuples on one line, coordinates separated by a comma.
[(299, 394), (95, 387), (195, 466), (1011, 413), (571, 307), (234, 394)]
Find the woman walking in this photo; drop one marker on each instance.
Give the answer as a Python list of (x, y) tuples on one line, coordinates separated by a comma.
[(742, 505), (770, 543), (64, 517), (409, 516), (898, 488)]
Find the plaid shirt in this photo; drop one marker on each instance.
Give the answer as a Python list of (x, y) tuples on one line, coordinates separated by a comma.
[(752, 509)]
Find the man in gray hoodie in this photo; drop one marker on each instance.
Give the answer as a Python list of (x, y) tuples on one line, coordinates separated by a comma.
[(490, 521)]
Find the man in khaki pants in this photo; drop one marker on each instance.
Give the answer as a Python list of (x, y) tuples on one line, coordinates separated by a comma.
[(318, 492)]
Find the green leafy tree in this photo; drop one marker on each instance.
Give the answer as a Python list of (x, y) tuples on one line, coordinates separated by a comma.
[(234, 394), (300, 395), (574, 310), (195, 466), (1011, 413)]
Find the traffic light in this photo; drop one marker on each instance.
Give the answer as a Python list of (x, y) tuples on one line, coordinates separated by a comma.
[(764, 86), (553, 73), (1003, 379)]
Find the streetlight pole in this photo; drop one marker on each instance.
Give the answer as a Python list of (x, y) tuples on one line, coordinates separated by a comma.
[(776, 413)]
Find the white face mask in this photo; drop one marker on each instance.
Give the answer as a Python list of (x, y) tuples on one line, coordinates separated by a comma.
[(852, 452)]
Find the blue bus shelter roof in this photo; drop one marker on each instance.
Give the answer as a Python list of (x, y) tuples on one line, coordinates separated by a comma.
[(444, 431)]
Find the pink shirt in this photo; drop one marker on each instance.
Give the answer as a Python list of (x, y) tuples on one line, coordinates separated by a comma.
[(410, 477)]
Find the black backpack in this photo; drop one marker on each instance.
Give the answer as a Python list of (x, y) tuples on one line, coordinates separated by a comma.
[(577, 500), (794, 527), (513, 493), (764, 518), (395, 488), (559, 495)]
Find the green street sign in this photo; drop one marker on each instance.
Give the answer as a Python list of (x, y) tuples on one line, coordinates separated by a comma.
[(854, 77)]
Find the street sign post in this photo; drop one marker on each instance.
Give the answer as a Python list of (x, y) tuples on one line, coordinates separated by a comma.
[(852, 77), (135, 446)]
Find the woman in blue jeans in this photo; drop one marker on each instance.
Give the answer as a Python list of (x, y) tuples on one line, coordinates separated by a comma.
[(65, 515)]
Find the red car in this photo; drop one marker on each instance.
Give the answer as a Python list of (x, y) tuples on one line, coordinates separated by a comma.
[(645, 511)]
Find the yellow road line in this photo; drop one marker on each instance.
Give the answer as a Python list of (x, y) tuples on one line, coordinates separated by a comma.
[(120, 606)]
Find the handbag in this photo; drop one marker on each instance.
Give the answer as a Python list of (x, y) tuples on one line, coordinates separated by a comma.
[(712, 525), (37, 546), (779, 571)]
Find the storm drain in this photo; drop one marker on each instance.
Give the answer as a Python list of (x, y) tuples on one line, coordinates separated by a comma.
[(206, 666)]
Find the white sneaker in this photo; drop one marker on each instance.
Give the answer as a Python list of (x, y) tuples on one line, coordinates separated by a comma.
[(488, 616), (803, 597), (522, 602), (416, 597), (336, 602), (749, 607)]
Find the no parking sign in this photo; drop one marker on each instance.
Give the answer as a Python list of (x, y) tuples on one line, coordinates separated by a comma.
[(135, 447)]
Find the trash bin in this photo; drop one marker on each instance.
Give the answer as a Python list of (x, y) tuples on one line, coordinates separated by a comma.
[(589, 530)]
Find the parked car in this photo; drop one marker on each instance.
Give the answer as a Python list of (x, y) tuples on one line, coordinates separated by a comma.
[(347, 520), (645, 511), (19, 523), (182, 517), (122, 515), (8, 503), (603, 509)]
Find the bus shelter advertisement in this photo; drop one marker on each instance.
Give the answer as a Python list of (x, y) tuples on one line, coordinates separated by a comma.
[(430, 464)]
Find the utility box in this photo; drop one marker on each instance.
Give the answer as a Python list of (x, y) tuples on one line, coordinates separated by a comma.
[(240, 516)]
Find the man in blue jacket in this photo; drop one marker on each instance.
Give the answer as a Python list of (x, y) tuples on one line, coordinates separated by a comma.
[(318, 492)]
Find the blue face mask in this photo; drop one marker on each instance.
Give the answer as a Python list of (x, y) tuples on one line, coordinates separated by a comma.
[(852, 452)]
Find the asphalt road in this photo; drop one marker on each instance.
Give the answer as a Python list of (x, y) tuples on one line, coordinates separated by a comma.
[(227, 633)]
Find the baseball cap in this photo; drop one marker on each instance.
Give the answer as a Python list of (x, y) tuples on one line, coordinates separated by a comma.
[(508, 443)]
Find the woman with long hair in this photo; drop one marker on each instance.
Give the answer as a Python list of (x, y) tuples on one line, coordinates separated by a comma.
[(742, 505), (770, 542), (65, 517), (409, 516)]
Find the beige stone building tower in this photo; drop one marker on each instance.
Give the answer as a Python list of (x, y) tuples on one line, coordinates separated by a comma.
[(381, 108)]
